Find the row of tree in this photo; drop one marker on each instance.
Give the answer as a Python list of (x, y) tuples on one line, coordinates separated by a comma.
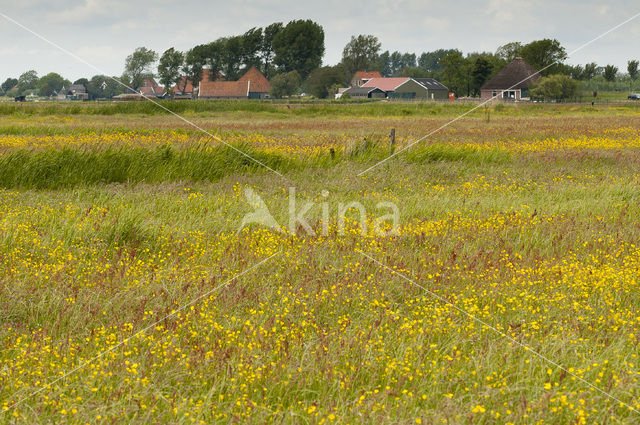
[(291, 56), (297, 46), (98, 87), (465, 74)]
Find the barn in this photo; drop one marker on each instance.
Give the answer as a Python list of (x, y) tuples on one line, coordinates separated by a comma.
[(436, 90)]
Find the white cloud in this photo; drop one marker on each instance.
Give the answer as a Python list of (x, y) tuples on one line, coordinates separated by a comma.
[(88, 11)]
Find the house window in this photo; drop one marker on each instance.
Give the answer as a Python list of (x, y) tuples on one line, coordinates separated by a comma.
[(494, 94)]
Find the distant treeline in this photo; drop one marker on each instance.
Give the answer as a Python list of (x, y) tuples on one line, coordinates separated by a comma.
[(291, 56)]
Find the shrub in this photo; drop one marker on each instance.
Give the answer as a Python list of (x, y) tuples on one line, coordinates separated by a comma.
[(555, 87)]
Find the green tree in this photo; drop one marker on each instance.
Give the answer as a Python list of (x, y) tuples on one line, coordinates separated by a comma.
[(509, 51), (27, 82), (632, 69), (266, 52), (194, 61), (169, 68), (138, 65), (251, 48), (576, 72), (454, 72), (544, 55), (361, 54), (384, 64), (82, 81), (285, 84), (101, 86), (430, 61), (50, 84), (299, 46), (555, 87), (415, 72), (408, 60), (590, 71), (610, 72), (232, 51), (96, 87), (321, 80), (8, 84), (482, 69), (396, 63), (214, 56)]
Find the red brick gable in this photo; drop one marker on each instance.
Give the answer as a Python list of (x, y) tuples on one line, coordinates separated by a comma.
[(367, 75), (258, 82)]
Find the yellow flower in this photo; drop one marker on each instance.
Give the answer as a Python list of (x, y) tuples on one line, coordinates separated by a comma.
[(478, 409)]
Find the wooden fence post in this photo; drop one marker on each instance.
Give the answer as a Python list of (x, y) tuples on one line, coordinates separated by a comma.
[(392, 141)]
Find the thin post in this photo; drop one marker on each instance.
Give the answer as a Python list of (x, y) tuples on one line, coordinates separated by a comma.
[(392, 140)]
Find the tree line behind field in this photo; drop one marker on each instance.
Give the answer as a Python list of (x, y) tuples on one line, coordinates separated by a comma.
[(291, 57)]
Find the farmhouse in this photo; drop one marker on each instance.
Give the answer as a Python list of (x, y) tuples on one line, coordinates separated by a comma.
[(361, 77), (252, 85), (512, 82), (74, 92)]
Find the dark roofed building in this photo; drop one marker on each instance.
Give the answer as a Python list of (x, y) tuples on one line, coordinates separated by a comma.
[(437, 90), (365, 93), (514, 80), (409, 88)]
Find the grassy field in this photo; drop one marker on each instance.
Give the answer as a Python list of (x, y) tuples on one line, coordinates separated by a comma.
[(508, 292)]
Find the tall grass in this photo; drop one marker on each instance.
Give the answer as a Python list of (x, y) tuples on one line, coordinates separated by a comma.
[(57, 168), (54, 168)]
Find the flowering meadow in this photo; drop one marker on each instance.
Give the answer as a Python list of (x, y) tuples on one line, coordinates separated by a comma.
[(509, 292)]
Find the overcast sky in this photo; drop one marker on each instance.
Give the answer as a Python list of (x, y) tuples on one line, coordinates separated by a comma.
[(104, 32)]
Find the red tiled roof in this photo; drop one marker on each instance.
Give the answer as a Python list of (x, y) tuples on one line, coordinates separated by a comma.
[(386, 84), (258, 82), (224, 89), (368, 74), (149, 86)]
